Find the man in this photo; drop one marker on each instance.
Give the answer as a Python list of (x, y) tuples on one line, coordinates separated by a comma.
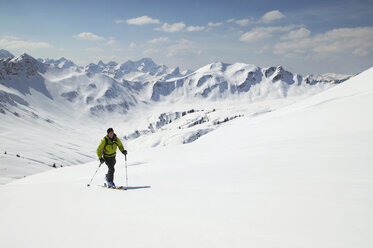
[(106, 152)]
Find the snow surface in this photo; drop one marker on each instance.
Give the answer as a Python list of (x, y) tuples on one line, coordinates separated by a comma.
[(53, 113), (297, 176)]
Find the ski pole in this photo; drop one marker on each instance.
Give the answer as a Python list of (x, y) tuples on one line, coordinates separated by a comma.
[(125, 157), (94, 175)]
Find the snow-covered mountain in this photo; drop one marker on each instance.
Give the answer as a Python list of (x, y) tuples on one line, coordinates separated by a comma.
[(103, 87), (271, 158), (61, 63), (220, 81), (296, 176), (5, 54), (22, 74), (327, 77), (71, 88), (140, 71), (58, 100)]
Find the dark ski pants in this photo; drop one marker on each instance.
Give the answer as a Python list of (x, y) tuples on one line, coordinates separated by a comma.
[(110, 162)]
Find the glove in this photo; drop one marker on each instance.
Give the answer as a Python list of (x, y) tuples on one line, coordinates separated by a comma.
[(125, 152), (102, 160)]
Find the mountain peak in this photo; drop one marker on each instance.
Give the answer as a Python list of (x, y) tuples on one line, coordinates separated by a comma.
[(5, 54), (25, 58), (63, 59), (279, 68), (148, 60), (62, 63), (215, 66), (112, 63), (218, 64), (175, 71), (101, 63)]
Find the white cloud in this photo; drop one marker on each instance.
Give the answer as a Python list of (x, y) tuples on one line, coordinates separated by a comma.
[(253, 36), (9, 37), (261, 33), (360, 52), (195, 28), (291, 46), (159, 40), (297, 34), (150, 52), (343, 40), (133, 45), (184, 48), (272, 16), (142, 20), (266, 18), (243, 22), (11, 42), (171, 28), (88, 36), (214, 24), (111, 41)]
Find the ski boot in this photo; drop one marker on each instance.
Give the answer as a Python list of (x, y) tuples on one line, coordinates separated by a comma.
[(109, 184)]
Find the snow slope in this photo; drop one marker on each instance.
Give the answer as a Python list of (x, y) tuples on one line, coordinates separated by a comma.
[(300, 176), (49, 104)]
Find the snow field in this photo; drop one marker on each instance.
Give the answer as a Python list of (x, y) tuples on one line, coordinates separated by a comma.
[(300, 176)]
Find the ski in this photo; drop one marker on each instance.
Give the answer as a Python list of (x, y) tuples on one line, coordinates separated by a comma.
[(115, 187)]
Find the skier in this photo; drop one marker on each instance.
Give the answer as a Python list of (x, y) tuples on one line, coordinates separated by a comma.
[(106, 152)]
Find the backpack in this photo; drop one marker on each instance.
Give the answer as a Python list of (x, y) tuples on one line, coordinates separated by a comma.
[(106, 143)]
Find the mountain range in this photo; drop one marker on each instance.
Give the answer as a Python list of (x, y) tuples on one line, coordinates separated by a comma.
[(114, 87), (148, 105), (296, 176)]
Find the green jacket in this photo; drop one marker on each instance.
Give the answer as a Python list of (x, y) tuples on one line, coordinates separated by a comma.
[(108, 147)]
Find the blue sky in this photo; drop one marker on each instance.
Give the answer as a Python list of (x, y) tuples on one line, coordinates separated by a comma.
[(304, 36)]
